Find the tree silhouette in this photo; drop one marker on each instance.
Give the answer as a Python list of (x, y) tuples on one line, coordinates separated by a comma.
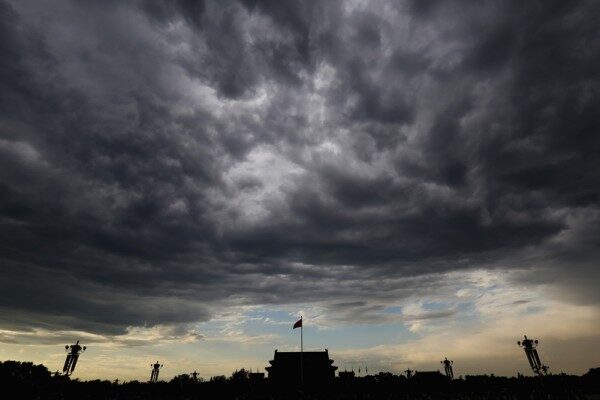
[(240, 375)]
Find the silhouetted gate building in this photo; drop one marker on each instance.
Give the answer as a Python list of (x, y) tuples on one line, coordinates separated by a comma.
[(430, 379), (318, 370)]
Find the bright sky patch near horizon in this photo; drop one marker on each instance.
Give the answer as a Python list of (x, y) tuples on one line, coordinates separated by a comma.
[(179, 180)]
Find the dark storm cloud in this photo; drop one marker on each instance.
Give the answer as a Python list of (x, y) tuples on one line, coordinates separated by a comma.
[(162, 159)]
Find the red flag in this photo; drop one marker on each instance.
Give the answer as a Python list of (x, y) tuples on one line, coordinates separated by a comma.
[(298, 324)]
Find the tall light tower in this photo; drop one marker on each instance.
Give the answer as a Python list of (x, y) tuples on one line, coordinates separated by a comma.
[(155, 369), (73, 352), (530, 348), (448, 367)]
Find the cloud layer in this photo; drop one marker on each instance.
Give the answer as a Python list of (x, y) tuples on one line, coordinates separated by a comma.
[(160, 161)]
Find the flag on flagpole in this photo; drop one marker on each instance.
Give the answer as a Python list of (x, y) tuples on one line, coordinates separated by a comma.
[(298, 324)]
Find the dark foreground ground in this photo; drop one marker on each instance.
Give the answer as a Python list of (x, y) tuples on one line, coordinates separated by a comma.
[(29, 381)]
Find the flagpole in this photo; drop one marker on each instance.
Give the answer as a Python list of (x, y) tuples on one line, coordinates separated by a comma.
[(301, 352)]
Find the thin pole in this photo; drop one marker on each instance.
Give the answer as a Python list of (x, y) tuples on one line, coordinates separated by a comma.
[(301, 353)]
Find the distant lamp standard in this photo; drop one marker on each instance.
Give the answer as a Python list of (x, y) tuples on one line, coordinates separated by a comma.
[(545, 369), (154, 374), (448, 367), (195, 376), (530, 348), (73, 352)]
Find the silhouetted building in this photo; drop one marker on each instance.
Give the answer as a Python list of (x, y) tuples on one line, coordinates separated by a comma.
[(256, 376), (430, 378), (346, 375), (318, 370)]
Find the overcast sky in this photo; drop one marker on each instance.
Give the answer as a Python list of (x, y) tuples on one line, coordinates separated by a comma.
[(179, 180)]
